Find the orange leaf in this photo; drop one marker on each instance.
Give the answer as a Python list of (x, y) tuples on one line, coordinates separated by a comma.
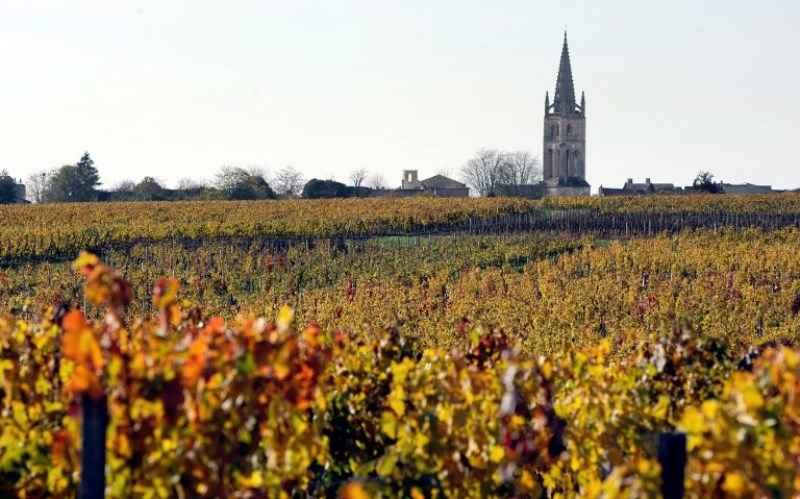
[(354, 490), (79, 343), (84, 381), (196, 360), (74, 321), (174, 315), (215, 325), (311, 335)]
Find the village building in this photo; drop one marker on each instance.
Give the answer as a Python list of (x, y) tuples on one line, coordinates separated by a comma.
[(747, 189), (649, 188), (437, 186), (638, 189)]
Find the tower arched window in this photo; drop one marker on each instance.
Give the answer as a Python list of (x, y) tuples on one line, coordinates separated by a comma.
[(569, 130), (554, 131)]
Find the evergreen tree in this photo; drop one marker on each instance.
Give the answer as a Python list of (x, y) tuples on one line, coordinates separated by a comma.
[(74, 183), (88, 178), (8, 188)]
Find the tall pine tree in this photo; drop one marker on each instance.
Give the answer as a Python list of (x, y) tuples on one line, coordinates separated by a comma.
[(8, 188), (73, 183), (88, 178)]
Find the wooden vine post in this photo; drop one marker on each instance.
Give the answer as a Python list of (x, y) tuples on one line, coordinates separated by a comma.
[(672, 457), (94, 422)]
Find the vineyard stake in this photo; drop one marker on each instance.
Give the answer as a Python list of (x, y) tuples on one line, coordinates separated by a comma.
[(93, 453), (672, 457)]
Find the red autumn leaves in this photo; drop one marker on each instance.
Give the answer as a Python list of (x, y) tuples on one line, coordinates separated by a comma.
[(80, 342), (291, 363), (199, 352)]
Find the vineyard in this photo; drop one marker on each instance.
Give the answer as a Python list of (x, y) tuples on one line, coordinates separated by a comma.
[(401, 348), (49, 232)]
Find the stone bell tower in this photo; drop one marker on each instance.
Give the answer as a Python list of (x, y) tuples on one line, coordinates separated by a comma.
[(564, 157)]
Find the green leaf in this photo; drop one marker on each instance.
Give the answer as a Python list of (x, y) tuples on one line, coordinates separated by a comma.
[(386, 465), (389, 424)]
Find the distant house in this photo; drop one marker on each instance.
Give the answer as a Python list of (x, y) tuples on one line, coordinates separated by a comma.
[(747, 189), (410, 181), (438, 185), (21, 193), (649, 188), (640, 189)]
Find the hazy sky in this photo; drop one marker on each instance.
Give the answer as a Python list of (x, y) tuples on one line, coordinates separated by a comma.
[(175, 89)]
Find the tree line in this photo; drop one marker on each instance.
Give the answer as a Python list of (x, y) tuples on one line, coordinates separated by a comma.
[(80, 182)]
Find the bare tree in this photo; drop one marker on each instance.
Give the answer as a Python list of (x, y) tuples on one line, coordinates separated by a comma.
[(377, 181), (484, 171), (243, 184), (124, 186), (288, 182), (704, 181), (189, 184), (520, 168), (257, 171), (229, 177), (357, 177), (36, 186)]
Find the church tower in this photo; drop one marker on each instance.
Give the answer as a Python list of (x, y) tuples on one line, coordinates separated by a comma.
[(564, 158)]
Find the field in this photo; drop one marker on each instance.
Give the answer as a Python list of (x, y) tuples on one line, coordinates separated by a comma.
[(414, 347)]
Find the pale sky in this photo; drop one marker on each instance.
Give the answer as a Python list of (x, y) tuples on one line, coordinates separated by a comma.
[(173, 89)]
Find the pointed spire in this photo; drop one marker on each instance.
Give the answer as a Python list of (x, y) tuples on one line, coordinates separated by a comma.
[(583, 102), (546, 102), (564, 100)]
